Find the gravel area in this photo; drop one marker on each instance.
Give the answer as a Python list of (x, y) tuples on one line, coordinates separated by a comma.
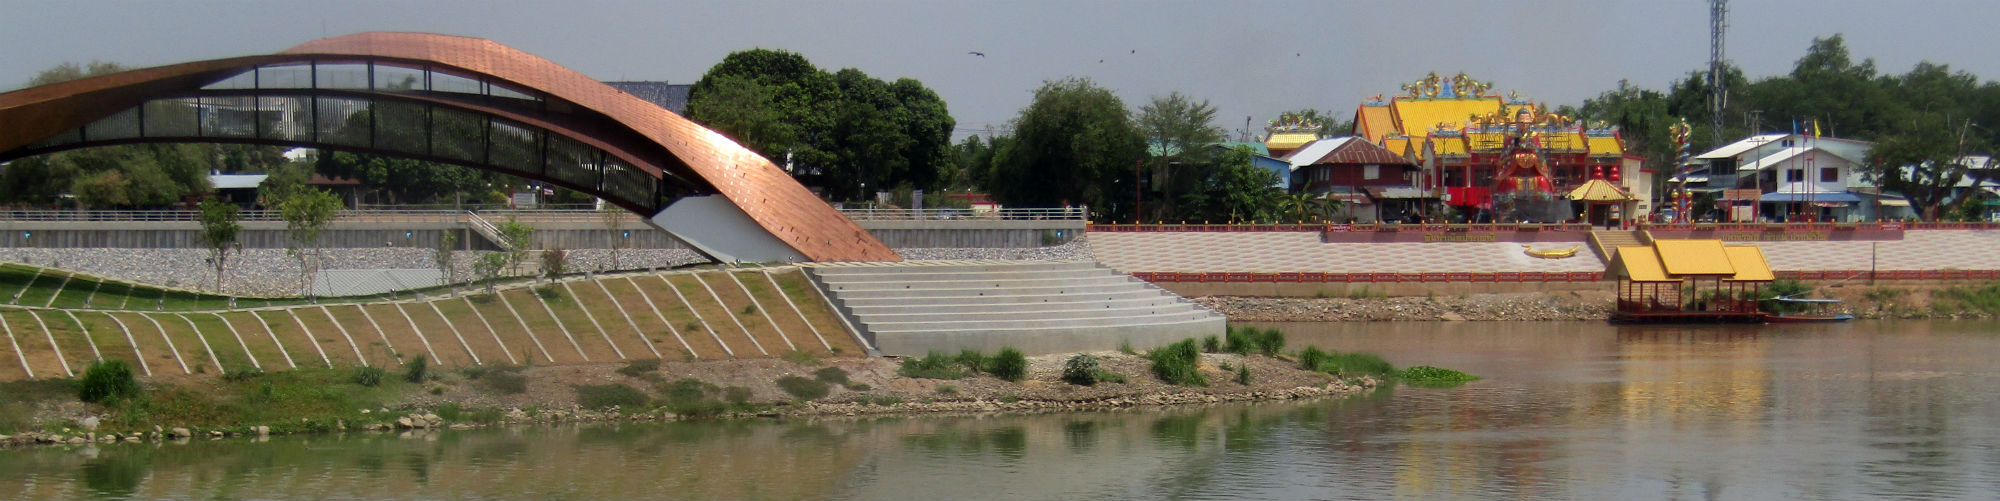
[(1515, 306)]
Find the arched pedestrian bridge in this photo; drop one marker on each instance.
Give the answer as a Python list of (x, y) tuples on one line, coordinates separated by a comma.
[(463, 101)]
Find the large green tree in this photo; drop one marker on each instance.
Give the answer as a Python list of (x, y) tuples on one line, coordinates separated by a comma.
[(845, 131), (1178, 128), (1074, 144)]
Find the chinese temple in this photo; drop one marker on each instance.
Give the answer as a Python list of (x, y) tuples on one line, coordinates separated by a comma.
[(1497, 158)]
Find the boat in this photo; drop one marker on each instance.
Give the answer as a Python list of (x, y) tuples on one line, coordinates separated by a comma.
[(1816, 310), (1550, 254)]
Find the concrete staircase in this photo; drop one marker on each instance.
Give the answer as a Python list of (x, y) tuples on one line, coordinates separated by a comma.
[(1607, 242), (912, 308)]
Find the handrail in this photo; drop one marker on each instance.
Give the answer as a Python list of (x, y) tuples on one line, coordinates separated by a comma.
[(487, 229), (1062, 214)]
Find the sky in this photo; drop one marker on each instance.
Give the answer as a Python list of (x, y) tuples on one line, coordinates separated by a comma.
[(1250, 59)]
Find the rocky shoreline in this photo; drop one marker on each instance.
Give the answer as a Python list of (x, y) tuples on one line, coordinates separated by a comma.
[(1470, 307), (873, 390)]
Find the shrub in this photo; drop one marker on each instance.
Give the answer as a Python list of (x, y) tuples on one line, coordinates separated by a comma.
[(369, 376), (640, 368), (602, 396), (1243, 374), (1356, 364), (448, 411), (947, 390), (506, 382), (748, 309), (859, 386), (1270, 341), (933, 366), (1426, 374), (414, 370), (1239, 340), (736, 395), (1080, 370), (694, 398), (243, 374), (1211, 344), (106, 381), (1310, 358), (1178, 364), (802, 388), (831, 375), (973, 360), (1110, 377), (1009, 365)]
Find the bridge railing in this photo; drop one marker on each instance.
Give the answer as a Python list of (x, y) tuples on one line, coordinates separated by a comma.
[(1064, 213)]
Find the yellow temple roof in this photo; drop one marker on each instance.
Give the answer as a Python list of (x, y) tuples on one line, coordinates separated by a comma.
[(1448, 145), (1417, 116), (1563, 141), (1485, 141), (1374, 123), (1289, 140), (1606, 146), (1398, 145)]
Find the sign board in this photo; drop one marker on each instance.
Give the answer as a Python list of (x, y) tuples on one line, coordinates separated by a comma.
[(1340, 227)]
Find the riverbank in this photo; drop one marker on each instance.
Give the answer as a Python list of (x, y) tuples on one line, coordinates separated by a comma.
[(333, 400), (1899, 302)]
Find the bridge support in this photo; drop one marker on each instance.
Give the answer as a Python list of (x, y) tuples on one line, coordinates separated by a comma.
[(716, 228)]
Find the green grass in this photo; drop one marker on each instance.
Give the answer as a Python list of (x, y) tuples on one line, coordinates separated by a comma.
[(1427, 376), (936, 365), (287, 401), (604, 396), (1356, 364), (640, 368), (803, 388), (42, 289)]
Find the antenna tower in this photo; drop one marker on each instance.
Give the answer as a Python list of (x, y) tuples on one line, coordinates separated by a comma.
[(1718, 87)]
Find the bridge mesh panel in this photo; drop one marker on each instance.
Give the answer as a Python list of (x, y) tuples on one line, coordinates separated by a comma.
[(572, 162), (289, 76), (229, 116), (400, 125), (515, 147), (171, 118), (342, 76), (341, 121), (458, 135), (286, 118), (124, 124)]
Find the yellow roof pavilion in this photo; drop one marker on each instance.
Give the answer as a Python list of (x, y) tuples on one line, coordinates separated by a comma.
[(1749, 263), (1416, 117), (1373, 122), (1605, 146), (1598, 190), (1694, 257), (1673, 260)]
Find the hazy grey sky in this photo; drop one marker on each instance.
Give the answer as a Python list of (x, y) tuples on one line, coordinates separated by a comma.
[(1251, 59)]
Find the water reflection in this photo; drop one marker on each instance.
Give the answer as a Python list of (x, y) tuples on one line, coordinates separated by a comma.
[(1566, 410)]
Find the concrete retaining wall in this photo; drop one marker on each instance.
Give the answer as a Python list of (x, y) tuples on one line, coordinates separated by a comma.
[(1348, 289), (548, 234)]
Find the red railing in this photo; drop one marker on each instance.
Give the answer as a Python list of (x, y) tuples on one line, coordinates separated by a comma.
[(1504, 227)]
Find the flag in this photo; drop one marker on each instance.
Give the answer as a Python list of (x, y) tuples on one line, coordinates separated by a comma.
[(1815, 127)]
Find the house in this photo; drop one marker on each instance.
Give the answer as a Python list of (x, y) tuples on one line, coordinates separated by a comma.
[(1795, 177), (1371, 182)]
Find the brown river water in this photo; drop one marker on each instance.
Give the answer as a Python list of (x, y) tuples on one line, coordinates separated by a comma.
[(1889, 409)]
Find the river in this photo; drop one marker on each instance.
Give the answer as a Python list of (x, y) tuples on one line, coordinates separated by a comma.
[(1890, 409)]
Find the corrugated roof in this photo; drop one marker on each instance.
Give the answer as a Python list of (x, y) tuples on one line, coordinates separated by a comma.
[(1345, 150), (1749, 263), (1641, 264), (1694, 257), (1737, 148), (1787, 154), (1598, 190), (236, 181)]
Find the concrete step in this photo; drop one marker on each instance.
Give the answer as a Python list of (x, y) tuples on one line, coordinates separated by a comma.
[(836, 269), (1135, 293), (957, 292), (980, 283), (900, 307), (1072, 313), (1122, 321), (967, 275)]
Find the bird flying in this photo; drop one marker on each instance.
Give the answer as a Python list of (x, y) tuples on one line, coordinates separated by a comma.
[(977, 53)]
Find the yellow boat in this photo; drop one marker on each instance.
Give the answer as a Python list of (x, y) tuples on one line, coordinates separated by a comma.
[(1550, 254)]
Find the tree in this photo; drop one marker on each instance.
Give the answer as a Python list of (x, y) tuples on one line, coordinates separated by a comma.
[(307, 212), (488, 266), (1072, 144), (516, 237), (613, 218), (219, 233), (1177, 127), (1246, 191), (152, 175), (845, 131), (446, 253), (1925, 162)]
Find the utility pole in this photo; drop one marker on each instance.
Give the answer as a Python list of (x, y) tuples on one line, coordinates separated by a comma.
[(1718, 86)]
